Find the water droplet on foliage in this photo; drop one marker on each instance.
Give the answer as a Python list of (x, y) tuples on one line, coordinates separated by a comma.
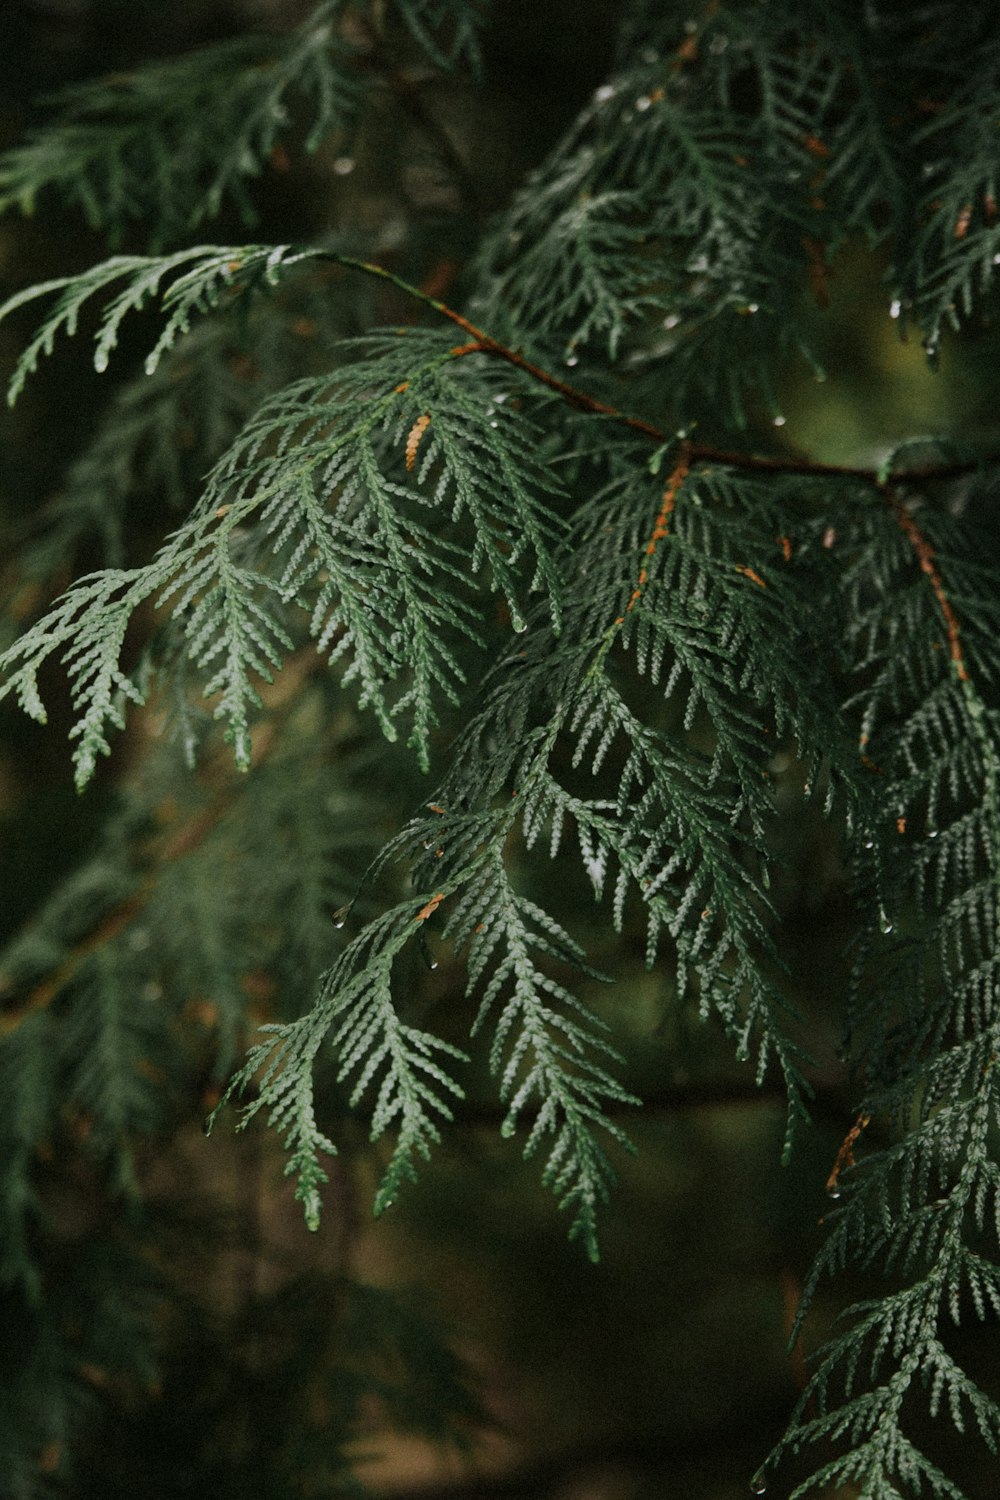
[(671, 320), (643, 102), (895, 308), (932, 833), (779, 421), (758, 1483), (932, 349), (869, 843), (884, 924), (833, 1191), (519, 624), (344, 166), (341, 915), (101, 361), (574, 359), (753, 307), (604, 93)]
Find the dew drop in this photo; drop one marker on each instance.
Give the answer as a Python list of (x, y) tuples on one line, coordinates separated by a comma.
[(884, 924), (895, 308), (996, 260), (494, 423), (753, 307), (519, 624), (932, 349), (932, 833), (869, 843), (341, 915), (758, 1483), (604, 93), (833, 1191), (433, 965), (343, 166), (574, 359), (101, 361), (643, 102), (779, 421), (151, 362), (671, 320)]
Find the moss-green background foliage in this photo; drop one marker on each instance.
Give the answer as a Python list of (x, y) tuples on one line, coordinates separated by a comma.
[(175, 1330)]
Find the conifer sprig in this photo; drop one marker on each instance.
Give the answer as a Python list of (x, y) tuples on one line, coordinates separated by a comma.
[(134, 146), (303, 510), (924, 1020), (197, 279)]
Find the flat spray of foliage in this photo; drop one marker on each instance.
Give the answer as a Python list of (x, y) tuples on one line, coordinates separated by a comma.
[(494, 530)]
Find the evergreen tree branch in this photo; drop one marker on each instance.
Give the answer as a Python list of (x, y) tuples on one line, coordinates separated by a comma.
[(924, 1202), (215, 273)]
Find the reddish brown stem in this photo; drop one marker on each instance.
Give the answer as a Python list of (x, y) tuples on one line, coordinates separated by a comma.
[(925, 556), (845, 1154)]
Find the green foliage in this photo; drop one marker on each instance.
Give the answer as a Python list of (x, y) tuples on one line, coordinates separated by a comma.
[(137, 147), (608, 638), (358, 569), (927, 1204)]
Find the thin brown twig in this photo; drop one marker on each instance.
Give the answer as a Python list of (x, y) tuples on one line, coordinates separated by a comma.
[(845, 1153), (661, 527), (925, 556), (704, 453), (482, 342)]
